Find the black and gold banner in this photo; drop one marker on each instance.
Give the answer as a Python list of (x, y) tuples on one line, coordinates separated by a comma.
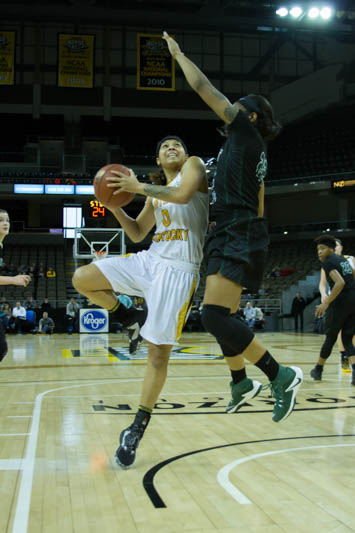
[(7, 57), (76, 60), (155, 66)]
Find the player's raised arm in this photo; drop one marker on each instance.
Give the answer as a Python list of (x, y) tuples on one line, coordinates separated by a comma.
[(202, 85)]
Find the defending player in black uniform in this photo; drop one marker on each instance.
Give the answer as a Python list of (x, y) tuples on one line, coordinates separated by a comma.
[(338, 306), (21, 280), (237, 246)]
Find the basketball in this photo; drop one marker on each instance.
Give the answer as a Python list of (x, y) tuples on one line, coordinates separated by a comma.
[(105, 194)]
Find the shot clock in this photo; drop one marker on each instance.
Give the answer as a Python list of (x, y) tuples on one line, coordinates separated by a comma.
[(96, 209)]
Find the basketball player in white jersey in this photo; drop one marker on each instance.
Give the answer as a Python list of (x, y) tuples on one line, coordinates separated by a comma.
[(21, 280), (166, 275), (323, 291)]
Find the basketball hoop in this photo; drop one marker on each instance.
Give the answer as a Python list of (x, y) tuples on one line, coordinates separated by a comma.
[(99, 254)]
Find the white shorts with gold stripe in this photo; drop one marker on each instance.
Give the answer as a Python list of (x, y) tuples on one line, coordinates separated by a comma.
[(167, 286)]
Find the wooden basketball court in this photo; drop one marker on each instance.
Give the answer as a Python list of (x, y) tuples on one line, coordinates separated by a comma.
[(64, 401)]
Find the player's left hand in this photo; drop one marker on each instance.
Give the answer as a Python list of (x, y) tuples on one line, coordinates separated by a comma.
[(173, 46), (321, 309), (123, 182)]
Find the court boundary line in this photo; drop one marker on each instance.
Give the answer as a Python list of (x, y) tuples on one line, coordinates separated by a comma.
[(148, 478), (234, 492)]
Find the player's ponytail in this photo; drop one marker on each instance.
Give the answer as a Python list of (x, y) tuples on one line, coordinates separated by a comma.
[(157, 178)]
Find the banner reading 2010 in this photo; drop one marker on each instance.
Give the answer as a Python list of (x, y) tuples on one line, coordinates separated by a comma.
[(155, 66), (7, 57), (76, 60)]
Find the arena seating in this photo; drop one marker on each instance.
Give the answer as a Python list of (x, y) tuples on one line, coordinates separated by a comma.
[(52, 288)]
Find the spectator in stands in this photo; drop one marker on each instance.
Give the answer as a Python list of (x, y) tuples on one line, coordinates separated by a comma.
[(46, 306), (18, 318), (259, 318), (51, 273), (298, 305), (72, 312), (4, 269), (30, 303), (46, 324), (3, 301), (30, 322), (249, 314), (22, 269), (275, 272), (5, 315), (32, 271), (40, 272)]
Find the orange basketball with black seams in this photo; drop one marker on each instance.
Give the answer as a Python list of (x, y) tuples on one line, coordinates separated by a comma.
[(105, 194)]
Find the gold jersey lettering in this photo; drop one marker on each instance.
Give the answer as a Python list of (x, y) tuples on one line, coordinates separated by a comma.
[(166, 217), (186, 232), (179, 234)]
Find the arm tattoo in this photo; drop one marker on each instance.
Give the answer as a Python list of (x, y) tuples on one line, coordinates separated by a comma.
[(161, 191)]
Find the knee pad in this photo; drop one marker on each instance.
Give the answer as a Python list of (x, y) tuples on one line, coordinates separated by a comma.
[(226, 350), (232, 334), (3, 350), (212, 315)]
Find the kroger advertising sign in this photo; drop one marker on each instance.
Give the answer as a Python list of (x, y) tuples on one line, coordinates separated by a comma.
[(93, 321)]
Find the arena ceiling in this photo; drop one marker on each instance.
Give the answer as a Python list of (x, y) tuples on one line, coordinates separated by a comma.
[(208, 15)]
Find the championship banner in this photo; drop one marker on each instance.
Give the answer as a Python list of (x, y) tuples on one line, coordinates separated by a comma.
[(7, 57), (76, 60), (155, 66)]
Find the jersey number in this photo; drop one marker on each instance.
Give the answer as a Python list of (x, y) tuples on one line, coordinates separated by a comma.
[(166, 217)]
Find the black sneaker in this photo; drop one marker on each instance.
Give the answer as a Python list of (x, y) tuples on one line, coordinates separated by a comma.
[(134, 328), (134, 343), (129, 441), (316, 373)]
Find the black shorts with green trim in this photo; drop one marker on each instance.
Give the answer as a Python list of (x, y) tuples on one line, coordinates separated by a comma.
[(238, 251)]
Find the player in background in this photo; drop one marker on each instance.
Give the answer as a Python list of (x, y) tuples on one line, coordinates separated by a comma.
[(20, 280), (323, 291), (236, 248), (166, 275), (338, 307)]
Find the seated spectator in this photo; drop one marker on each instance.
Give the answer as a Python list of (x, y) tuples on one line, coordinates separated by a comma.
[(18, 318), (5, 315), (259, 318), (249, 314), (46, 324), (51, 273), (30, 303), (30, 322), (46, 306), (3, 301)]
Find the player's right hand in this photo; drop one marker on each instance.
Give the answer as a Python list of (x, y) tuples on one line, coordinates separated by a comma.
[(22, 280)]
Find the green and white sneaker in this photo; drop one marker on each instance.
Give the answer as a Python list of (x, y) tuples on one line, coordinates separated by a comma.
[(284, 389), (242, 392)]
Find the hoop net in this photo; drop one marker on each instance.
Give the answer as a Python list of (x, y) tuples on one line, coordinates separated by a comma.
[(99, 254)]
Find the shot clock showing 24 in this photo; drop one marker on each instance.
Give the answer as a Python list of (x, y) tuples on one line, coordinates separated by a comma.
[(96, 209)]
